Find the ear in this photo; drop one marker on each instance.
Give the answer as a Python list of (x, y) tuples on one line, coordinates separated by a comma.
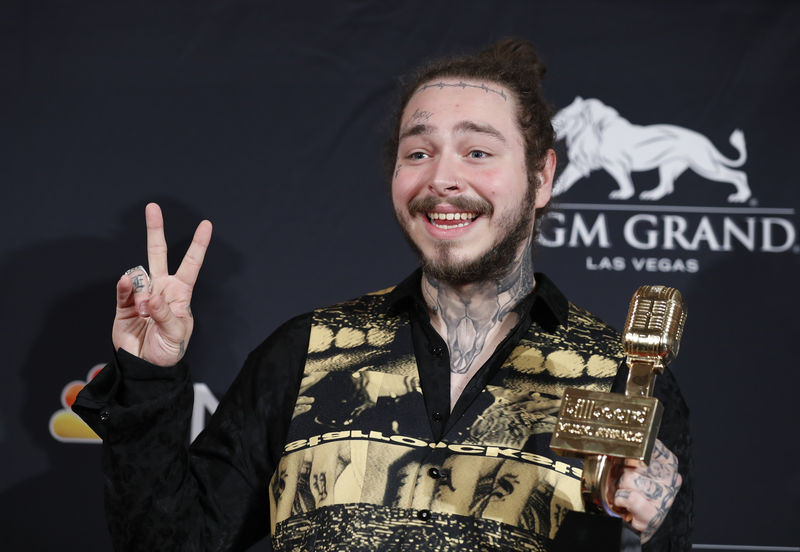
[(545, 186)]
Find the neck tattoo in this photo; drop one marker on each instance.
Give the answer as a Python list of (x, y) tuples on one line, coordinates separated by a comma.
[(470, 313)]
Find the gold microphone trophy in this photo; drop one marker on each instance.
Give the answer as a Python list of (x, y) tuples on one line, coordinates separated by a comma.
[(606, 428)]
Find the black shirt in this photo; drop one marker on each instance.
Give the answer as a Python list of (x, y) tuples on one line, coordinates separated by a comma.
[(212, 497)]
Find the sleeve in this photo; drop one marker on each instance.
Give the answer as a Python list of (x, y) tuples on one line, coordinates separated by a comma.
[(161, 494)]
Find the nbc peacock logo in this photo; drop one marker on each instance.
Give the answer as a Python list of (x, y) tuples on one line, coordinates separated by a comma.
[(65, 425)]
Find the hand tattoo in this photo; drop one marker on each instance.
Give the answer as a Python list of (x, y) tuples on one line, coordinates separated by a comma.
[(659, 485), (138, 283), (139, 278), (652, 490)]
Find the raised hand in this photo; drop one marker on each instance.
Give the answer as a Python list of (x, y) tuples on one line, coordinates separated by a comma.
[(647, 491), (154, 319)]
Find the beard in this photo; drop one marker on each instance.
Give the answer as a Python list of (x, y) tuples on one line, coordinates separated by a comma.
[(495, 262)]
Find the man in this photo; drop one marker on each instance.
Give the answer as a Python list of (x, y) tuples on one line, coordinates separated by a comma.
[(409, 419)]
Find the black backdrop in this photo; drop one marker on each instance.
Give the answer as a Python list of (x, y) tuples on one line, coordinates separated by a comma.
[(268, 119)]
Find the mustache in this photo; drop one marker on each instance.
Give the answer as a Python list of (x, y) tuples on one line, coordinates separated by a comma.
[(425, 205)]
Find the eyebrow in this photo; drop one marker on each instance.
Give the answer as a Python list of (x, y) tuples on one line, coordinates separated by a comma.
[(416, 130), (469, 126), (462, 127)]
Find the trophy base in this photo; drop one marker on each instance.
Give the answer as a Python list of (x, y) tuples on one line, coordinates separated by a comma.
[(582, 532)]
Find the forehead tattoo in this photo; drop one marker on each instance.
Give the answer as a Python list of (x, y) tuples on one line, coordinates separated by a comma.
[(461, 84), (417, 123), (421, 115)]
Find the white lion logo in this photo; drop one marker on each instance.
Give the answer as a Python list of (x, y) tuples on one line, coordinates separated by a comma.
[(598, 138)]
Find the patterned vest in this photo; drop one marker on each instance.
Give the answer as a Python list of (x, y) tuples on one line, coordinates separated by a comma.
[(361, 470)]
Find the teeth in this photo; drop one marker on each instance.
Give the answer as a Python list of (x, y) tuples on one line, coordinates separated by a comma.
[(449, 226), (451, 216), (466, 217)]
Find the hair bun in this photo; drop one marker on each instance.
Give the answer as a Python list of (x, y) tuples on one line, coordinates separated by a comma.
[(515, 52)]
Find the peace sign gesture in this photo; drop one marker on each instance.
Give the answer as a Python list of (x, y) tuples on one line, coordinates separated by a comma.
[(154, 320)]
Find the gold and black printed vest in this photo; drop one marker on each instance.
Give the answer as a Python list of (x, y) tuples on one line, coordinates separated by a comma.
[(361, 470)]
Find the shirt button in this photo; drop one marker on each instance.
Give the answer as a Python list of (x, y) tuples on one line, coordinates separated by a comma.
[(437, 350), (437, 416), (434, 473), (424, 515), (105, 415)]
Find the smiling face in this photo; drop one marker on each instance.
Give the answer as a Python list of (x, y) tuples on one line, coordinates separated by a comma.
[(460, 188)]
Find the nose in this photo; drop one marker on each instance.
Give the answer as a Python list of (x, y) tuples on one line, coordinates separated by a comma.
[(445, 179)]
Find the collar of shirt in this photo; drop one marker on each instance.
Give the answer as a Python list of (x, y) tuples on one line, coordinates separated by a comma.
[(545, 306)]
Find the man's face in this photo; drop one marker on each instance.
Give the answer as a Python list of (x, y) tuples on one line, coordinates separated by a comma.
[(460, 189)]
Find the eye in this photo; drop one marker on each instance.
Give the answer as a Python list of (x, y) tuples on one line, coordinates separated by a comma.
[(477, 154), (418, 155)]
